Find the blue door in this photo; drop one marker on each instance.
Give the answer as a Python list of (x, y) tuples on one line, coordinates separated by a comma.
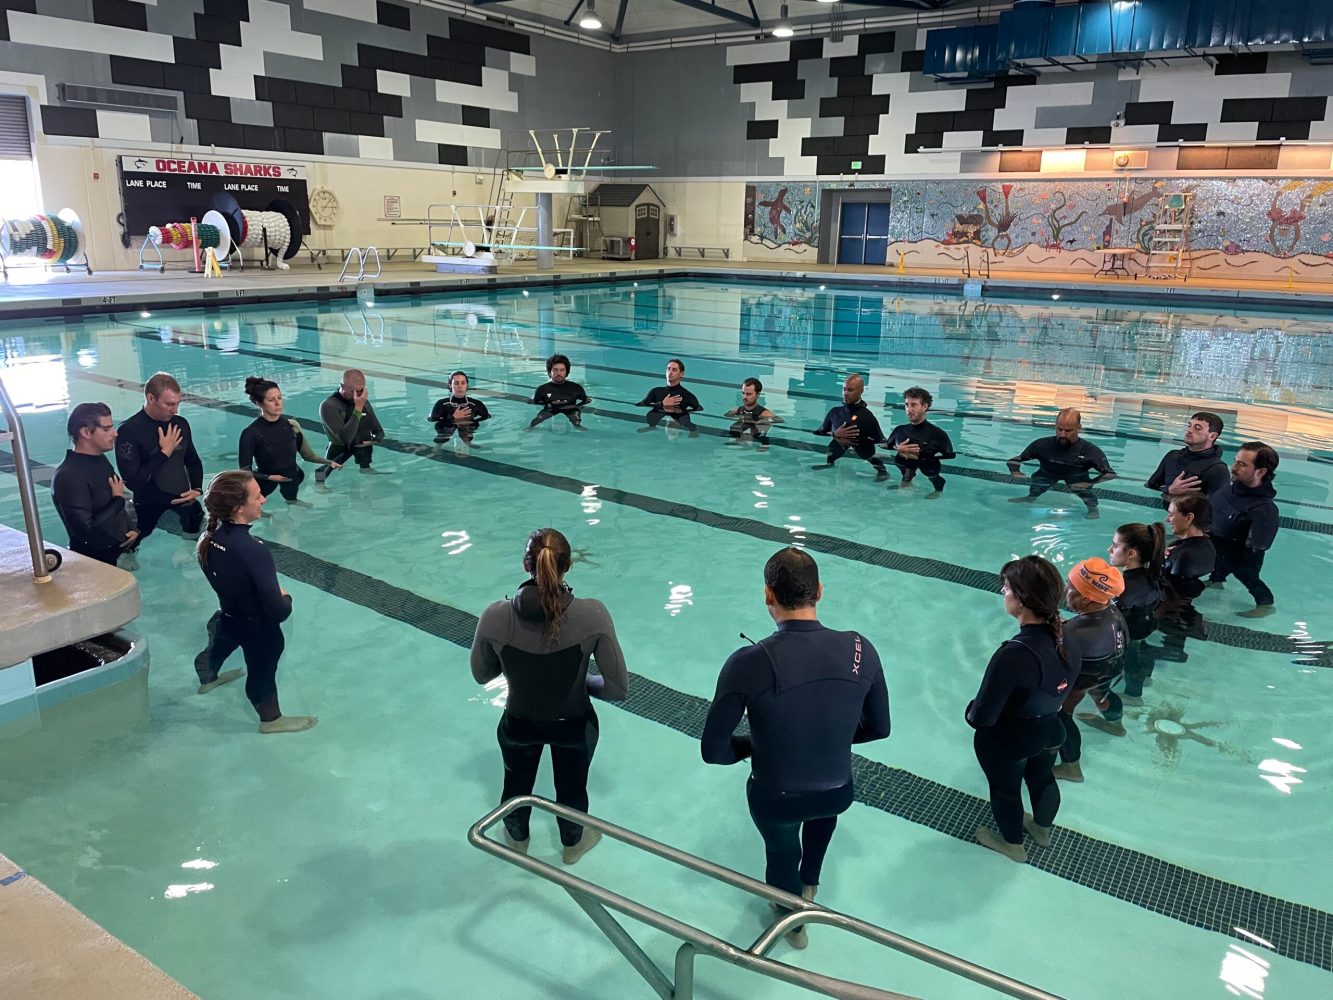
[(863, 237)]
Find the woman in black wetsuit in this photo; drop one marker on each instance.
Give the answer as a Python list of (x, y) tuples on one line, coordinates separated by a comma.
[(541, 640), (1189, 560), (270, 445), (253, 604), (1137, 550), (1016, 713)]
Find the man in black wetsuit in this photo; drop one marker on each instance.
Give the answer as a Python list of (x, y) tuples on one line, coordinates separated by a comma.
[(854, 428), (87, 493), (156, 455), (752, 417), (920, 444), (559, 395), (671, 400), (1065, 458), (810, 693), (1245, 523), (1196, 468), (458, 411), (350, 422)]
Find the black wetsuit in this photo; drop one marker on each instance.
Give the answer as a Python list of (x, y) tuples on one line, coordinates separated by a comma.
[(252, 609), (1100, 638), (1245, 522), (156, 479), (869, 434), (1016, 715), (560, 397), (96, 520), (442, 416), (935, 445), (549, 689), (271, 447), (810, 693), (689, 403), (1058, 462), (1207, 466), (346, 430), (1187, 562), (750, 420), (1138, 604)]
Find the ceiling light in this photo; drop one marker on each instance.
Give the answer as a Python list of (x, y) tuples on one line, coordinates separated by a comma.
[(590, 21), (783, 28), (826, 1)]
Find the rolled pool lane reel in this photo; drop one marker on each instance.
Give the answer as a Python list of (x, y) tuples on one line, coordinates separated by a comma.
[(54, 240), (277, 231), (213, 231)]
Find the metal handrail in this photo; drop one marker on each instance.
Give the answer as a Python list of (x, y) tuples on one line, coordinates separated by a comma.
[(595, 899), (32, 519), (361, 263)]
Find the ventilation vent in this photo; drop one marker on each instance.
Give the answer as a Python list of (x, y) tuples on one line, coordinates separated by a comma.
[(107, 97)]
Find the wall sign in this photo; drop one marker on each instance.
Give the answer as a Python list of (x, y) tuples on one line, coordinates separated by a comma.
[(393, 206), (157, 189)]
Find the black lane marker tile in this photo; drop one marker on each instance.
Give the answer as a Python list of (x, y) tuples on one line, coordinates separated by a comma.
[(1305, 651)]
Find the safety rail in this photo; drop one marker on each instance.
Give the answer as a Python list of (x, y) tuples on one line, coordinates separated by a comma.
[(595, 900), (361, 264), (44, 560)]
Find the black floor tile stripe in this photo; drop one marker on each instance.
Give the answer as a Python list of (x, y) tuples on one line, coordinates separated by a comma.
[(1305, 651)]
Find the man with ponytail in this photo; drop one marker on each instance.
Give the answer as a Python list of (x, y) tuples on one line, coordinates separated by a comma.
[(542, 640), (253, 605)]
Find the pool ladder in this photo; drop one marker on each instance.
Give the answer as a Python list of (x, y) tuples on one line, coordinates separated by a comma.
[(595, 900), (361, 260)]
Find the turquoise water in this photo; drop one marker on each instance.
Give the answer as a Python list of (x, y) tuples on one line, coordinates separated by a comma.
[(334, 863)]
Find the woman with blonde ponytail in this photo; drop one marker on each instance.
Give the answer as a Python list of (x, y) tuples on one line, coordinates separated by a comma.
[(541, 640), (253, 605)]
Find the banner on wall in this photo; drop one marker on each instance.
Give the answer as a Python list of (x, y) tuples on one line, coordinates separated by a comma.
[(157, 189)]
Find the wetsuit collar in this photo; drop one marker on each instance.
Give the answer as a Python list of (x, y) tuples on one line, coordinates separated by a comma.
[(527, 603), (799, 625), (233, 526), (1264, 489)]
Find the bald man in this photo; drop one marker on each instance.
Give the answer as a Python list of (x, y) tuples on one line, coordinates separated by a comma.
[(853, 427), (1065, 458), (351, 424)]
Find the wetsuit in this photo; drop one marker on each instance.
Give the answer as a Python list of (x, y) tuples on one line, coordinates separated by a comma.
[(252, 610), (271, 447), (96, 520), (1016, 715), (1207, 466), (750, 420), (1138, 604), (935, 445), (689, 403), (1245, 522), (549, 689), (560, 397), (810, 693), (1100, 638), (1187, 562), (442, 416), (346, 429), (863, 418), (1061, 462), (156, 479)]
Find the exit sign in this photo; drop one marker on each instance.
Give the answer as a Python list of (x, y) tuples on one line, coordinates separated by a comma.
[(856, 164)]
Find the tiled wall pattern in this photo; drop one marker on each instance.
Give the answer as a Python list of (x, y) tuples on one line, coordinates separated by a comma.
[(366, 78)]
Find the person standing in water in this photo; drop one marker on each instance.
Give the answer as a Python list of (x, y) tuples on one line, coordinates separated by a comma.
[(752, 417), (542, 640), (458, 411), (1138, 551), (853, 428), (158, 461), (87, 493), (351, 425), (1198, 468), (671, 400), (1245, 523), (253, 604), (1189, 560), (559, 396), (270, 444), (919, 444), (1064, 458)]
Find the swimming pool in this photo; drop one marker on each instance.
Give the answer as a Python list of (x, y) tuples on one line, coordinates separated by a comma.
[(334, 863)]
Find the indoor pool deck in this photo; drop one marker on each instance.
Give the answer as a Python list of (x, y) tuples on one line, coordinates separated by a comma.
[(32, 292)]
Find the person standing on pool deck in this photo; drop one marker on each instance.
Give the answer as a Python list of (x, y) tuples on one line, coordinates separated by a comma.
[(253, 605), (854, 428), (541, 640), (1198, 468), (1016, 713), (271, 444), (156, 455), (752, 417), (458, 411), (1064, 458), (350, 422), (810, 693), (559, 395), (920, 444), (1245, 523), (671, 400), (87, 493)]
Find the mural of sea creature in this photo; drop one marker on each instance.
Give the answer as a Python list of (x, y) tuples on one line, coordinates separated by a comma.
[(1001, 221), (1285, 223), (966, 229), (1121, 209), (775, 209), (1058, 225), (1232, 247)]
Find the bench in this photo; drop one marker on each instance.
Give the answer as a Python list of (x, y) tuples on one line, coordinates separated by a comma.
[(388, 252), (702, 251)]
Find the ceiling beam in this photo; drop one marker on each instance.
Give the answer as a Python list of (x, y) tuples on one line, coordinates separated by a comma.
[(899, 4), (722, 12), (572, 14), (620, 20), (486, 3)]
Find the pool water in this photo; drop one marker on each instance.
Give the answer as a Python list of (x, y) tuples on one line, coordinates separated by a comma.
[(1192, 862)]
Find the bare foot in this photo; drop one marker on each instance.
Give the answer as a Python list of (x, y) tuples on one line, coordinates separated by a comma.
[(226, 677), (289, 724)]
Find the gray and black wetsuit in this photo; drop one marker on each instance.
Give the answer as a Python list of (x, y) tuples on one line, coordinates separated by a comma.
[(1100, 638)]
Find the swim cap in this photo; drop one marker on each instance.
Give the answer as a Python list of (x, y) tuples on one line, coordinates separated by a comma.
[(1097, 580)]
